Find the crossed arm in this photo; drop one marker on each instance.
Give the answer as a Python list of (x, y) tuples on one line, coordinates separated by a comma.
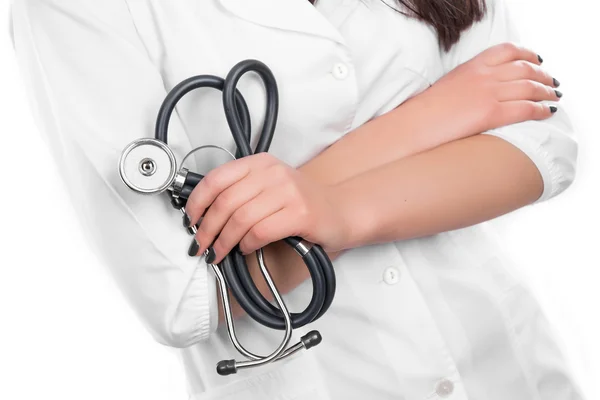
[(449, 174), (394, 178)]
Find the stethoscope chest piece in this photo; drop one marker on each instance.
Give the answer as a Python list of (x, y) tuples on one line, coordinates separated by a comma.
[(148, 166)]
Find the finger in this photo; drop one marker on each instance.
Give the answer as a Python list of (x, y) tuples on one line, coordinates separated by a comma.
[(244, 219), (527, 90), (225, 205), (507, 52), (282, 224), (518, 70), (525, 110), (219, 179)]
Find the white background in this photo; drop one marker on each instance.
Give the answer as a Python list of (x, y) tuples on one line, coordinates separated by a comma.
[(56, 299)]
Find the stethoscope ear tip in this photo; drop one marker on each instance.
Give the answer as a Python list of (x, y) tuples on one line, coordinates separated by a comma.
[(311, 339), (226, 367)]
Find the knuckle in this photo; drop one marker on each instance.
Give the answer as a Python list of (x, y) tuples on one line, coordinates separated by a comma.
[(221, 203), (524, 68), (203, 232), (258, 234), (491, 109), (529, 110), (531, 88), (526, 52), (243, 245), (240, 216), (544, 77), (508, 49), (210, 180), (527, 68)]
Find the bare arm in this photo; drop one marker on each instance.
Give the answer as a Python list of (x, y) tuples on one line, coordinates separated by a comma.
[(422, 168)]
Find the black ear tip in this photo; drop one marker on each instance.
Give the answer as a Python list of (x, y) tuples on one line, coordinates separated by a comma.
[(311, 339), (226, 367)]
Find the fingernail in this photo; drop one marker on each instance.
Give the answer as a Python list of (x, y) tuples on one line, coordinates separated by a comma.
[(191, 229), (553, 109), (556, 82), (558, 93), (210, 255), (194, 247), (540, 59), (186, 220)]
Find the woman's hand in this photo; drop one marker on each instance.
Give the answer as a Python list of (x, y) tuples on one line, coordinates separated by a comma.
[(258, 200), (501, 86)]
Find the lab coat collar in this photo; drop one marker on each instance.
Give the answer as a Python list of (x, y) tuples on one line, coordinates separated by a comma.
[(291, 15)]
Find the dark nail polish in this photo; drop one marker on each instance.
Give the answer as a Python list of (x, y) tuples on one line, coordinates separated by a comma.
[(211, 255), (556, 82), (553, 109), (186, 220), (194, 247), (540, 59), (558, 93)]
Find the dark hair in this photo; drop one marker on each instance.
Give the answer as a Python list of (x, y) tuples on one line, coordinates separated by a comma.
[(448, 17)]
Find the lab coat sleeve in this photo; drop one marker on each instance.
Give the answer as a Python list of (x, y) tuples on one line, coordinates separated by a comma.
[(92, 90), (551, 144)]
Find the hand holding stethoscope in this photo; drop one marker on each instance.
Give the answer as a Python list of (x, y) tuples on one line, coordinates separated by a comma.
[(258, 200), (253, 200)]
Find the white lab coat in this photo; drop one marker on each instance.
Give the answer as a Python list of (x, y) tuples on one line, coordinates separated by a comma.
[(442, 316)]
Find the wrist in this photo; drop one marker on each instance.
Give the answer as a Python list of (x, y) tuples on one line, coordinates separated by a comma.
[(349, 205)]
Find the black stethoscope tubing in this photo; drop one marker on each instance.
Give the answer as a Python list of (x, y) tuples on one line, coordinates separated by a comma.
[(234, 265)]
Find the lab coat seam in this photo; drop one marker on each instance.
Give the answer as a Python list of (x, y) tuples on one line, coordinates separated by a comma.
[(139, 35), (49, 93), (48, 90), (398, 98), (174, 312), (418, 74)]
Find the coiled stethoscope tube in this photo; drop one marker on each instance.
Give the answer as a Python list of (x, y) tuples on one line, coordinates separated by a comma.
[(233, 272)]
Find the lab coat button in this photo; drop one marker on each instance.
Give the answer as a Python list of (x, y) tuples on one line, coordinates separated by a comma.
[(391, 275), (444, 388), (340, 71)]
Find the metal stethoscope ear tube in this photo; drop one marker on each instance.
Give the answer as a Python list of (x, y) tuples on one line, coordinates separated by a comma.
[(148, 166)]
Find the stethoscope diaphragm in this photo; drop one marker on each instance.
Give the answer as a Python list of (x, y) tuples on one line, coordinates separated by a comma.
[(148, 166)]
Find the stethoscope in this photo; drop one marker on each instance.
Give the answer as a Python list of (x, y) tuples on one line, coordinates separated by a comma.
[(148, 166)]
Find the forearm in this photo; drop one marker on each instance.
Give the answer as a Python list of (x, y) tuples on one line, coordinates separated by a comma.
[(455, 185), (402, 132)]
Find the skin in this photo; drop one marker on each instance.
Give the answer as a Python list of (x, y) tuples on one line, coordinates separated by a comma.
[(343, 198)]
